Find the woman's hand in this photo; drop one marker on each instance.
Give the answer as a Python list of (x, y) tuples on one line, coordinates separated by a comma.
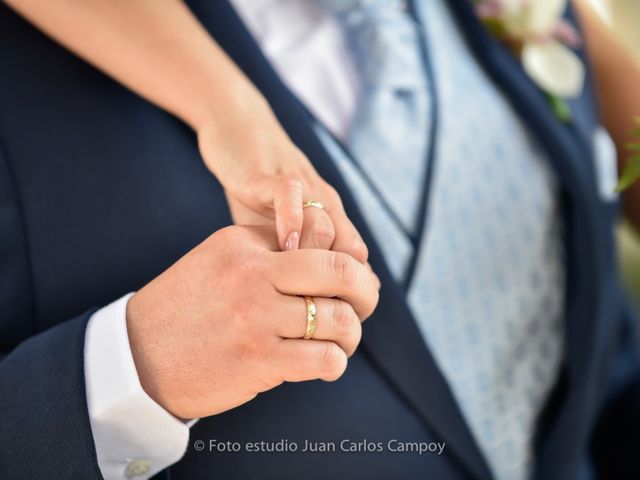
[(267, 177)]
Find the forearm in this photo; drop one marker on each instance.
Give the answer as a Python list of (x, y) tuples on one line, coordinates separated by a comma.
[(157, 48), (618, 77)]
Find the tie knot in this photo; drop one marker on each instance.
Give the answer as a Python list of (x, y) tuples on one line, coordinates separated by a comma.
[(384, 39)]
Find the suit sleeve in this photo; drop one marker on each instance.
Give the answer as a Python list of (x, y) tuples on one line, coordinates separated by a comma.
[(44, 425)]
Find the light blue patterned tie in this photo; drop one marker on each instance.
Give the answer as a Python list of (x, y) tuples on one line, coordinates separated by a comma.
[(386, 47)]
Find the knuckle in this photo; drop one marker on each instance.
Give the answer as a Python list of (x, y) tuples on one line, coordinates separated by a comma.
[(267, 377), (224, 235), (333, 361), (345, 268), (343, 316), (355, 335), (234, 273), (324, 231), (291, 185), (248, 265), (332, 195), (251, 351), (242, 318), (248, 321), (360, 251), (372, 303), (249, 344), (232, 255)]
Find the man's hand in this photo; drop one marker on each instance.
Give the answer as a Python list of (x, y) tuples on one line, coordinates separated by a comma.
[(226, 321)]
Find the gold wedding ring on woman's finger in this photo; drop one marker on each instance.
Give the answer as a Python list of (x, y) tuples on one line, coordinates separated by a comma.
[(311, 317), (313, 203)]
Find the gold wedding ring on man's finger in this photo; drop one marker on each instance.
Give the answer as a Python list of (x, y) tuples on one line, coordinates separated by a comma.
[(311, 317)]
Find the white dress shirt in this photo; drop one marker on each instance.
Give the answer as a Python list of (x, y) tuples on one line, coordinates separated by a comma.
[(133, 435), (307, 48)]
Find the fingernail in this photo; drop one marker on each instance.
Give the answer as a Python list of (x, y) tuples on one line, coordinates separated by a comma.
[(292, 241)]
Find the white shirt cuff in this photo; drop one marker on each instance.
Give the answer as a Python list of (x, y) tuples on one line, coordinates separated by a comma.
[(135, 438)]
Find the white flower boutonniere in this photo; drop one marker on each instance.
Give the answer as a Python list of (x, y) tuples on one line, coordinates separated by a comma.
[(537, 34)]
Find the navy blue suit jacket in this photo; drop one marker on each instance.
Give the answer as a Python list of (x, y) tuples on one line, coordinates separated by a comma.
[(101, 191)]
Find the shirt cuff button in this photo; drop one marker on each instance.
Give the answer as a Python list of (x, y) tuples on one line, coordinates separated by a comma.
[(137, 468)]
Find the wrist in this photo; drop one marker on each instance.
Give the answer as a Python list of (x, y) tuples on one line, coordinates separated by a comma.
[(227, 108), (143, 359)]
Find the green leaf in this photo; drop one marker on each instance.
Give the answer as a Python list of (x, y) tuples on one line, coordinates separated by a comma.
[(560, 107), (630, 174)]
